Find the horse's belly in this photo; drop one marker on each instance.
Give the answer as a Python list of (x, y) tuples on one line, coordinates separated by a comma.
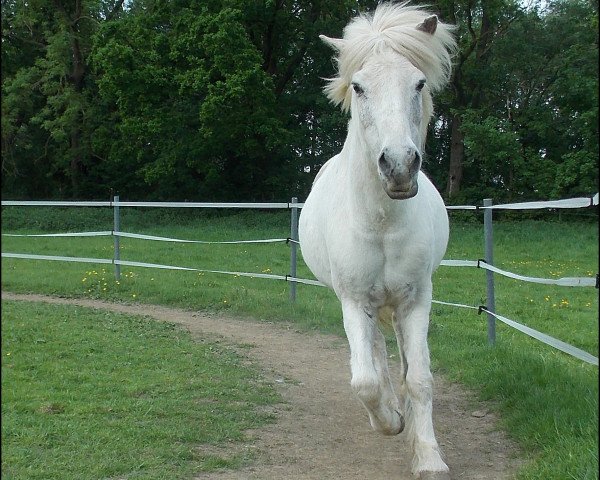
[(312, 241)]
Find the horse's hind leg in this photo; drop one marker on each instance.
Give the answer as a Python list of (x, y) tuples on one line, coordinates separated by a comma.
[(368, 362)]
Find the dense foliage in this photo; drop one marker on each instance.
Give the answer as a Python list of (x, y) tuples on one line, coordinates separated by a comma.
[(221, 99)]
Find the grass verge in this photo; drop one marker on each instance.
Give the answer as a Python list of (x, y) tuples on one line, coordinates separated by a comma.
[(90, 394)]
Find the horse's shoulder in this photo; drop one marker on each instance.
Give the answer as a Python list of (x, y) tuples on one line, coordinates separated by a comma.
[(324, 167)]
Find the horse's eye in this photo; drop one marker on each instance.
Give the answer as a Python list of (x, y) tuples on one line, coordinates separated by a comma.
[(420, 85), (358, 89)]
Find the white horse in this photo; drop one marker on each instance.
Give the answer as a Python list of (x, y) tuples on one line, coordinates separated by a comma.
[(374, 228)]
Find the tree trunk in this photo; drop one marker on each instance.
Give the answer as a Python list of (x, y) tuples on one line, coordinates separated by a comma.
[(75, 163), (457, 153), (77, 76)]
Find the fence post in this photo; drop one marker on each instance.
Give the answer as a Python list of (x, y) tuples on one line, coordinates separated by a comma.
[(293, 247), (488, 233), (116, 228)]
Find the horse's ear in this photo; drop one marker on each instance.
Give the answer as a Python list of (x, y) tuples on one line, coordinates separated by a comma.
[(335, 43), (429, 25)]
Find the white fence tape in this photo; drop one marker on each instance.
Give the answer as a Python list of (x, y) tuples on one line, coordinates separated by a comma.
[(458, 263), (542, 337), (548, 340), (74, 234), (563, 282), (35, 203), (306, 281), (44, 203), (579, 202), (202, 205), (460, 305), (178, 240), (56, 258), (171, 267), (461, 207), (143, 237), (138, 264)]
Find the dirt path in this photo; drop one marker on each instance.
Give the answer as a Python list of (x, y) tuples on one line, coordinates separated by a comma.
[(322, 431)]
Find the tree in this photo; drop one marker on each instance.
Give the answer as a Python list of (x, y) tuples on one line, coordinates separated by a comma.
[(45, 103), (222, 99), (522, 112)]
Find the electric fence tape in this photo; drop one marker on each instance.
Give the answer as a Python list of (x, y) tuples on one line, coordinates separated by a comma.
[(562, 282), (547, 339), (70, 234), (144, 237)]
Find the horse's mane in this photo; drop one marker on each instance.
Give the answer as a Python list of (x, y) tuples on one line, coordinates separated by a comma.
[(391, 27)]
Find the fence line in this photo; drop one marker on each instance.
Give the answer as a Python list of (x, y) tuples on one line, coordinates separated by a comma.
[(563, 281), (578, 202), (36, 203), (544, 338), (294, 206)]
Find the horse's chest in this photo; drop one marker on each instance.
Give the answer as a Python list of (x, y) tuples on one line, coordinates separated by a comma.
[(384, 262)]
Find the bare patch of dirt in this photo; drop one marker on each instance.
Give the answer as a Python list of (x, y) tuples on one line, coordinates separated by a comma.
[(322, 431)]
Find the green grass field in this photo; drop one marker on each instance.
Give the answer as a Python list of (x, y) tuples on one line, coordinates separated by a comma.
[(88, 394), (547, 400)]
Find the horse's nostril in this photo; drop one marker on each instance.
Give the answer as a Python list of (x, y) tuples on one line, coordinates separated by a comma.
[(384, 164), (415, 165)]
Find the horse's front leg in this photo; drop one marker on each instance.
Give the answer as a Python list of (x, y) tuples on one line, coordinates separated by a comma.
[(368, 363), (412, 327)]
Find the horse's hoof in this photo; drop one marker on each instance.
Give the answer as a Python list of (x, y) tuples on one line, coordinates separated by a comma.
[(402, 424), (434, 476)]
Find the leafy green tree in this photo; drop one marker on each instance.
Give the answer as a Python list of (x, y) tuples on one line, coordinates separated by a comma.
[(521, 119), (222, 99), (47, 112)]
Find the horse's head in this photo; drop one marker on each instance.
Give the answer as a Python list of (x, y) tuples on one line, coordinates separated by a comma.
[(388, 65), (392, 105)]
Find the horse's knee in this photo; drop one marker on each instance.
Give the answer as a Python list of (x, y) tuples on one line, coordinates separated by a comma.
[(367, 390)]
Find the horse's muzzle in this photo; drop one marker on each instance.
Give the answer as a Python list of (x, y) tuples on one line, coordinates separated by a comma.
[(399, 176), (399, 193)]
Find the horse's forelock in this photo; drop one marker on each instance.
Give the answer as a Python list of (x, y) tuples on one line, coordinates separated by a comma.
[(392, 27)]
